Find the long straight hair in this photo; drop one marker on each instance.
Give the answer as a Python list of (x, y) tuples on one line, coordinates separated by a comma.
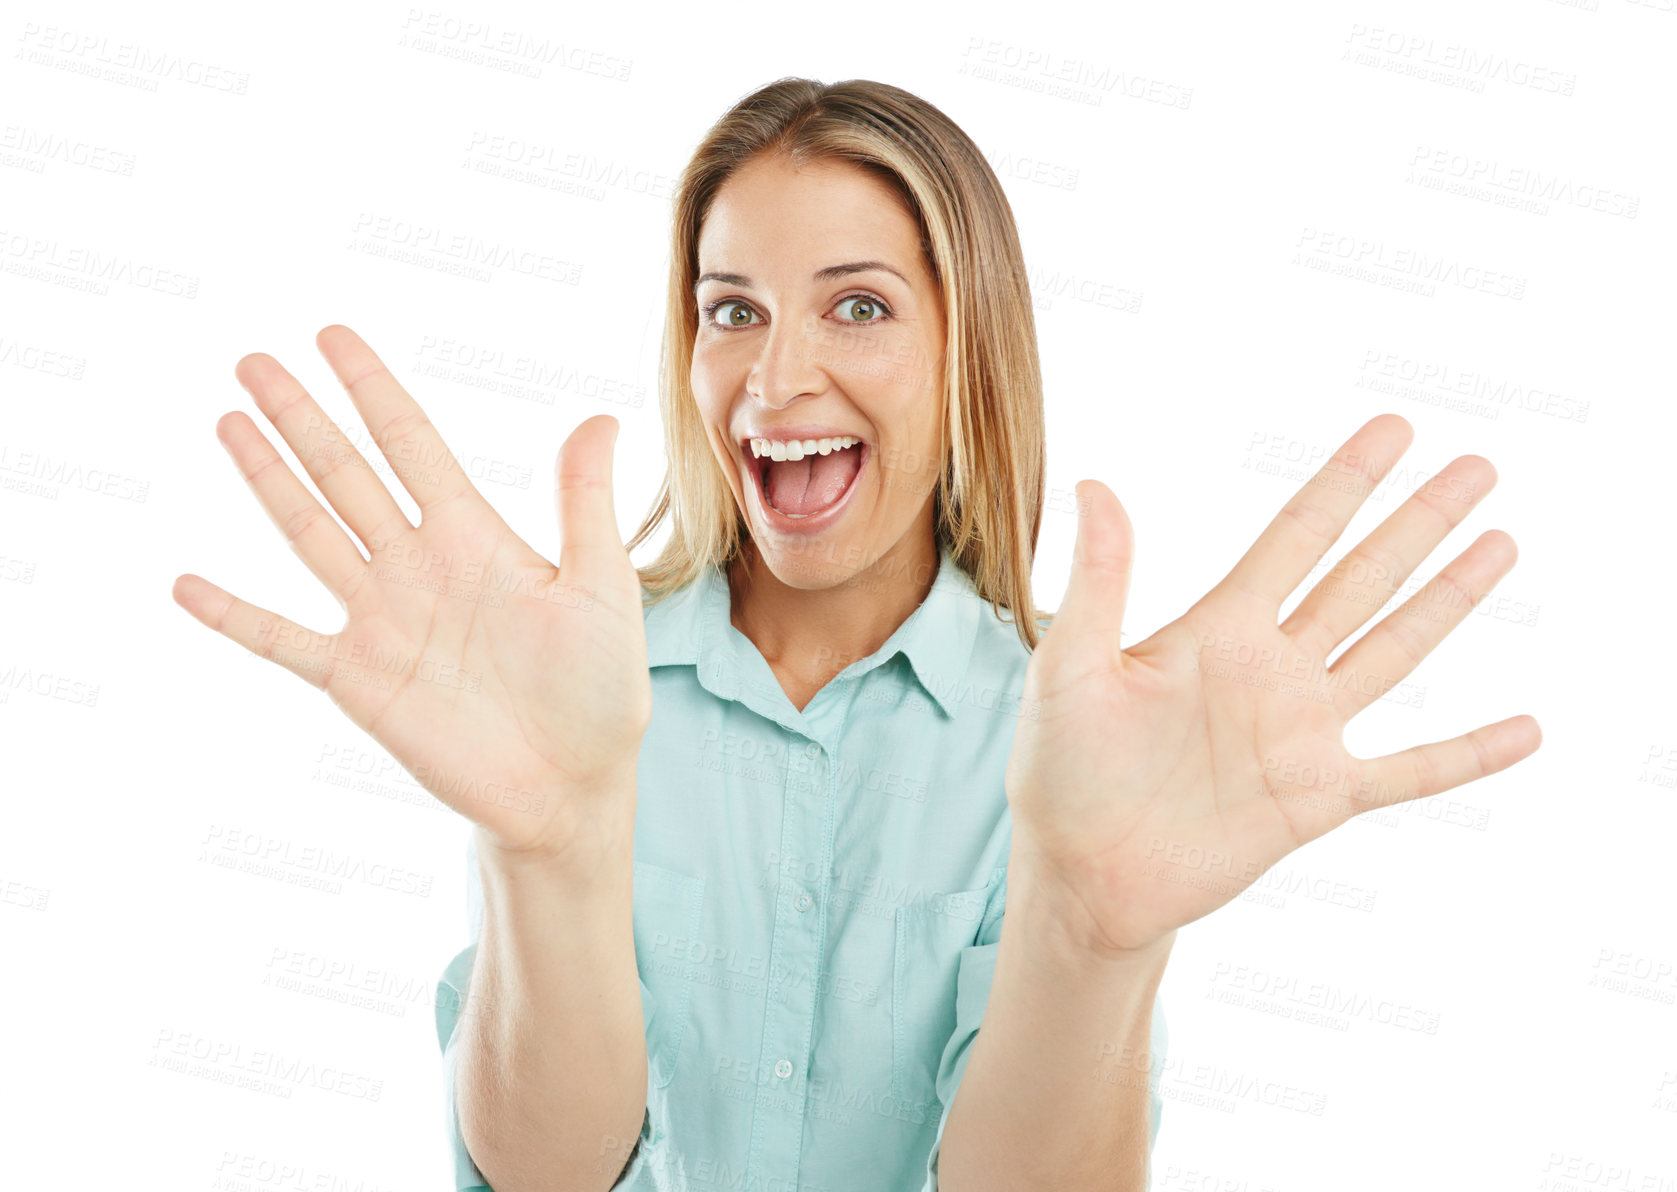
[(988, 497)]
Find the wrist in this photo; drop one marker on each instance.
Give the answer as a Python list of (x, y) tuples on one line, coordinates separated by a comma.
[(589, 832), (1053, 912)]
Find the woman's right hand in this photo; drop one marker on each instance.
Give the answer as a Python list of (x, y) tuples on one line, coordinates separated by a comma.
[(514, 691)]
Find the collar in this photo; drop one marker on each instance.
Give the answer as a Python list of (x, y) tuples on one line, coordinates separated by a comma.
[(693, 627)]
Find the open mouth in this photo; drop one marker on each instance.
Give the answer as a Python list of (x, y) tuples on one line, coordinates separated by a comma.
[(810, 488)]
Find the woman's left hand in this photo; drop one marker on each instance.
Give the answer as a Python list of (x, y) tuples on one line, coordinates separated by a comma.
[(1152, 785)]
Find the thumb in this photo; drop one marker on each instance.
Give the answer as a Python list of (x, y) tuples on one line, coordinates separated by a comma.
[(582, 490), (1100, 567)]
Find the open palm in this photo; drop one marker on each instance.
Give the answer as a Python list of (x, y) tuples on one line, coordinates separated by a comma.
[(1158, 782), (513, 690)]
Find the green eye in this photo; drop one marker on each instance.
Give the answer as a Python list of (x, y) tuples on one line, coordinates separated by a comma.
[(731, 318), (741, 316), (867, 306)]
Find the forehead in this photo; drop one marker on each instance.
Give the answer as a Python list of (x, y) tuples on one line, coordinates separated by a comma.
[(772, 217)]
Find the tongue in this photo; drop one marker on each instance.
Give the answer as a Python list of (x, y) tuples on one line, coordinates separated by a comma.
[(812, 483)]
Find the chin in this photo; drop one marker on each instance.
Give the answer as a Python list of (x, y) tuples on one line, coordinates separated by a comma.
[(810, 563)]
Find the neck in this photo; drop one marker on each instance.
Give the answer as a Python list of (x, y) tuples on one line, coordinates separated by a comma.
[(813, 634)]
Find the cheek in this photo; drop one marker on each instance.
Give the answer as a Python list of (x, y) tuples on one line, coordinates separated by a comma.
[(915, 420), (908, 460), (705, 378), (710, 398)]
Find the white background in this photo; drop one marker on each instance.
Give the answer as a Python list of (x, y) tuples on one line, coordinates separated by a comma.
[(1197, 360)]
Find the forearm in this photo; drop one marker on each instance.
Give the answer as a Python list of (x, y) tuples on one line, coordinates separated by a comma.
[(551, 1073), (1055, 1091)]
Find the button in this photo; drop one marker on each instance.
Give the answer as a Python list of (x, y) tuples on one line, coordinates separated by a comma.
[(812, 750), (802, 902), (783, 1069)]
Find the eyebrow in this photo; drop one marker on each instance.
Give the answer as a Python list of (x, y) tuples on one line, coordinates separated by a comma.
[(830, 273)]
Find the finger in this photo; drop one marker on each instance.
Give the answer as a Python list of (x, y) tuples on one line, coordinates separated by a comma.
[(343, 474), (1385, 655), (301, 651), (582, 492), (1441, 765), (417, 453), (1362, 582), (318, 540), (1310, 523), (1101, 561)]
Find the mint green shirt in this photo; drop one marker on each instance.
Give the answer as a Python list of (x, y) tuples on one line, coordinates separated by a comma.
[(818, 900)]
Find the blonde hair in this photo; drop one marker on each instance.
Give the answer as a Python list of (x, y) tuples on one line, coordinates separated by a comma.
[(989, 492)]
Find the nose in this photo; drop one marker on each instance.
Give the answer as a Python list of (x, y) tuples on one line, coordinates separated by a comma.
[(787, 368)]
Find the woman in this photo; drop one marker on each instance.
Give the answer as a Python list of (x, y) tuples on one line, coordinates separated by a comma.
[(810, 783)]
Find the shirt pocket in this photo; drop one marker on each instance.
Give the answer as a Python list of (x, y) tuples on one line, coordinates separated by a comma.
[(666, 914), (930, 937)]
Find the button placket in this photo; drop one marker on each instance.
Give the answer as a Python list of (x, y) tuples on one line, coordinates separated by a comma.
[(795, 961)]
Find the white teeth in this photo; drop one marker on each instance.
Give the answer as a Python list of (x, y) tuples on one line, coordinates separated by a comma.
[(789, 449)]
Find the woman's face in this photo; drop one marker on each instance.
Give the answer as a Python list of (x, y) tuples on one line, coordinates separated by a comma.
[(796, 345)]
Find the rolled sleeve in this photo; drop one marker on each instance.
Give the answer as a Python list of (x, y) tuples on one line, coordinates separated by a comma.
[(452, 989), (972, 994)]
